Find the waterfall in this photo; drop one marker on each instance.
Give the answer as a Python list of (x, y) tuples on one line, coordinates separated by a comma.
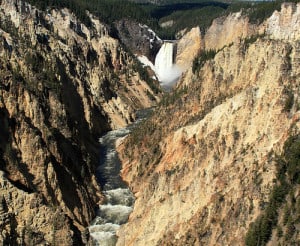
[(164, 59), (166, 71)]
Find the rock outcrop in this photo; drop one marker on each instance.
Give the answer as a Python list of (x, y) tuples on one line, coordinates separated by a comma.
[(205, 164), (62, 85), (138, 38), (187, 48), (226, 30), (284, 24)]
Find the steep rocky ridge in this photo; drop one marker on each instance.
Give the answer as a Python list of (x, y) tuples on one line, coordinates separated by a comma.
[(138, 38), (234, 27), (187, 48), (205, 164), (223, 32), (62, 86)]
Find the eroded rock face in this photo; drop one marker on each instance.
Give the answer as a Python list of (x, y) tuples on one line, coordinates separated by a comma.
[(233, 28), (62, 85), (140, 39), (284, 24), (187, 48), (226, 30), (205, 164)]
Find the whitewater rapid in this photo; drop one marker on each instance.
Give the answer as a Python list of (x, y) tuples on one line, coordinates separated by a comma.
[(119, 199)]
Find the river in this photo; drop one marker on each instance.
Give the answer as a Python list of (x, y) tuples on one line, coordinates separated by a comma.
[(119, 199)]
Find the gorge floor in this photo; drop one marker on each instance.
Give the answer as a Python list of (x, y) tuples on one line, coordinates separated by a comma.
[(119, 200)]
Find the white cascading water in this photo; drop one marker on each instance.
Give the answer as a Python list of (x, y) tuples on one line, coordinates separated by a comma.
[(166, 71), (164, 60), (118, 198)]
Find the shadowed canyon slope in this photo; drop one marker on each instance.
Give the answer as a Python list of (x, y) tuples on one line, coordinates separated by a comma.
[(62, 86), (206, 162), (217, 163)]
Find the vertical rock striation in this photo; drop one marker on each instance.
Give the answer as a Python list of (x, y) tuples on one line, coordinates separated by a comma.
[(62, 85), (205, 165)]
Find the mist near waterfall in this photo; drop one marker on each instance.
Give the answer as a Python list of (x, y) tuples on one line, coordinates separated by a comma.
[(170, 75), (167, 72)]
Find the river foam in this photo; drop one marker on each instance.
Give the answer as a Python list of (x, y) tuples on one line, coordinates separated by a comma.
[(119, 200)]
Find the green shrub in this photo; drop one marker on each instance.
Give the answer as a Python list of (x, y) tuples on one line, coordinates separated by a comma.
[(144, 75), (171, 97), (200, 60), (288, 172), (107, 10)]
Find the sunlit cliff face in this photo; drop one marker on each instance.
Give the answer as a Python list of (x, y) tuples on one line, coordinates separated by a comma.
[(203, 166)]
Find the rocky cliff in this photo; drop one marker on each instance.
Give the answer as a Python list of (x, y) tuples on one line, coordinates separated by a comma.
[(62, 85), (224, 31), (188, 48), (234, 27), (138, 38), (213, 157)]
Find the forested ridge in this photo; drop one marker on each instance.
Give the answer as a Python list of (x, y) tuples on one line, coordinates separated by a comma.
[(179, 14), (107, 10)]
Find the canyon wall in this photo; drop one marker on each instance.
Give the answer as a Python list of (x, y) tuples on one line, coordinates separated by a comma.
[(188, 48), (203, 166), (62, 85), (224, 31), (235, 27), (138, 38)]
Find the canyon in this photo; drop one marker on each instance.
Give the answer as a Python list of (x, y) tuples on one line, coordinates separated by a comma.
[(63, 85), (204, 166)]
